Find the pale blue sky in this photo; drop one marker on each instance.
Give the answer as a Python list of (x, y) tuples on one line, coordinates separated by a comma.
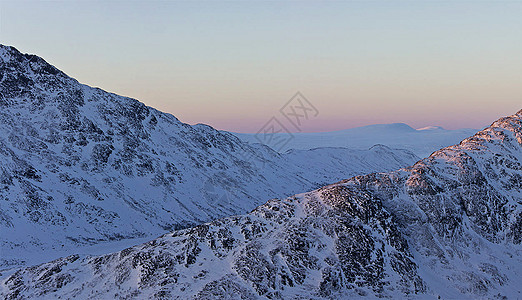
[(234, 64)]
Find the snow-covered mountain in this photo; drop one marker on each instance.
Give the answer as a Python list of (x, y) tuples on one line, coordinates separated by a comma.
[(448, 227), (422, 141), (83, 167)]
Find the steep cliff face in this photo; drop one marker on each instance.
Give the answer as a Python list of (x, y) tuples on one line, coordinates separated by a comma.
[(461, 210), (448, 226), (80, 166)]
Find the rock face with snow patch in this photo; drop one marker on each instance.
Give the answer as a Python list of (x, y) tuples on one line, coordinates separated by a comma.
[(448, 226), (317, 245)]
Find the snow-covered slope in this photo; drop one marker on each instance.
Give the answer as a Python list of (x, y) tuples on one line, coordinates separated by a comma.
[(449, 227), (422, 141), (83, 167)]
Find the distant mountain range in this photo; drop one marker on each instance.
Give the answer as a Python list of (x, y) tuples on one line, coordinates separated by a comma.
[(422, 142), (448, 227), (83, 168)]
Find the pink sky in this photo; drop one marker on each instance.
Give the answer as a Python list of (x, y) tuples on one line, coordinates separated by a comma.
[(233, 65)]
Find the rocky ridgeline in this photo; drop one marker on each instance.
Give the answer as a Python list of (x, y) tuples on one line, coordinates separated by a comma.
[(317, 245), (449, 227)]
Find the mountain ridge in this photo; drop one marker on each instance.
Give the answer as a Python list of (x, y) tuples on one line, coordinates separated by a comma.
[(83, 166), (447, 227)]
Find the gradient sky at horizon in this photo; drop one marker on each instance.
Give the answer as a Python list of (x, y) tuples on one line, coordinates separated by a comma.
[(233, 65)]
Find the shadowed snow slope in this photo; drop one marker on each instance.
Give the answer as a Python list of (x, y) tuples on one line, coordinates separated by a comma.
[(448, 226), (83, 167)]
